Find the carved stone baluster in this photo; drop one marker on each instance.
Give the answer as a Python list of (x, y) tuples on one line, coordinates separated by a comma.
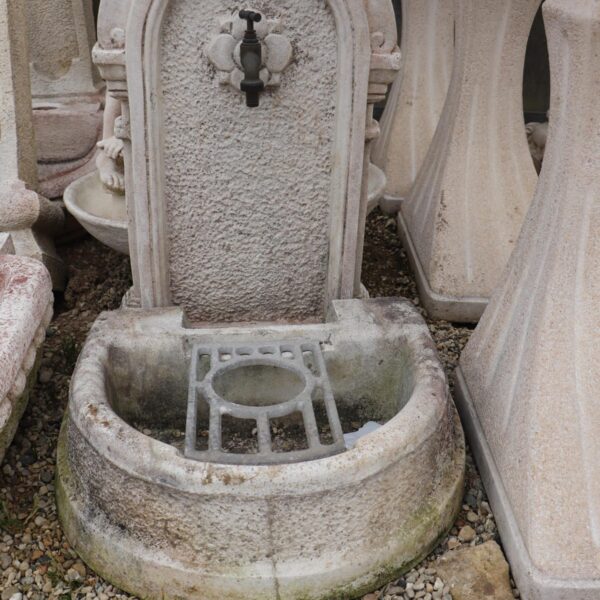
[(26, 216), (385, 64), (461, 220), (417, 97), (529, 379)]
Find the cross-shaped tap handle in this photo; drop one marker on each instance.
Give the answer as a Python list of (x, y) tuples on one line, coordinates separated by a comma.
[(251, 17)]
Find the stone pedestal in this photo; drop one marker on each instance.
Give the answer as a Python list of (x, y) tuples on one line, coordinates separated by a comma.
[(461, 220), (65, 89), (417, 97), (29, 218), (529, 378)]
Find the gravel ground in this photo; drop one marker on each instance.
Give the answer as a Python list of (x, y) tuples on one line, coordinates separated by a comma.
[(37, 562)]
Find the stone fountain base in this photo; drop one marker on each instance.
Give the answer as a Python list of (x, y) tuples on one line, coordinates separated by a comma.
[(164, 526)]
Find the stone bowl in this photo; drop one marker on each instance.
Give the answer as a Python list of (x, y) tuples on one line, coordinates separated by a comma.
[(100, 212), (161, 525)]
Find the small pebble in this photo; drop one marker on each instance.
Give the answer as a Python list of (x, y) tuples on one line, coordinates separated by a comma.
[(45, 375), (466, 534)]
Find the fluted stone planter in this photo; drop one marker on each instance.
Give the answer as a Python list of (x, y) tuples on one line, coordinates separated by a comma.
[(416, 99), (462, 218), (529, 378)]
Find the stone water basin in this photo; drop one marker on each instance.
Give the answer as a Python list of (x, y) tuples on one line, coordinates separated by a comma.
[(100, 212), (25, 312), (161, 525)]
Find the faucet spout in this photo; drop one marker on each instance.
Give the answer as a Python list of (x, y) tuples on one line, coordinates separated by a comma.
[(251, 59)]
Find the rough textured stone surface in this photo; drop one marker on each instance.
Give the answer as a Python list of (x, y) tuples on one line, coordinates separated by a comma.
[(464, 213), (25, 311), (248, 194), (529, 377), (417, 97), (280, 234), (476, 573), (199, 530)]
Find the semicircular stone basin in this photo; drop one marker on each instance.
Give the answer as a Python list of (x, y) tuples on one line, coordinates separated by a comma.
[(161, 525), (100, 212)]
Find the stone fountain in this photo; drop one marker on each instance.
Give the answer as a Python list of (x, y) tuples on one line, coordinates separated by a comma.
[(204, 454), (97, 200)]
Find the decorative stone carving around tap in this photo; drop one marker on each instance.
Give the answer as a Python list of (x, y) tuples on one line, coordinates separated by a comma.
[(224, 51)]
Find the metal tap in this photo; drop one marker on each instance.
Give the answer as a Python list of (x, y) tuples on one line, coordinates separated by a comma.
[(251, 59)]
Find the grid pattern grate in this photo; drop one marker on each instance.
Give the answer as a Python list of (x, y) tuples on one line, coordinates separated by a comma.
[(303, 359)]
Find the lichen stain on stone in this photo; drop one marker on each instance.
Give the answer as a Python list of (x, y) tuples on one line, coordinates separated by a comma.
[(229, 479), (20, 280)]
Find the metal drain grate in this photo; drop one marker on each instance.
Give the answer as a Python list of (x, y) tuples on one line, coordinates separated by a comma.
[(223, 367)]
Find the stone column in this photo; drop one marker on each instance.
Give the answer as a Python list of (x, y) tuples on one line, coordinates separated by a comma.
[(417, 97), (529, 379), (461, 220), (28, 217), (65, 89)]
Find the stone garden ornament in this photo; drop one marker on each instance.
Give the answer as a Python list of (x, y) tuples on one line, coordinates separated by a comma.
[(464, 212), (416, 99), (66, 90), (224, 50), (246, 220), (529, 378), (97, 200)]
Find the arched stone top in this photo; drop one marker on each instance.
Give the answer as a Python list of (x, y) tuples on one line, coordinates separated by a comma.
[(147, 199)]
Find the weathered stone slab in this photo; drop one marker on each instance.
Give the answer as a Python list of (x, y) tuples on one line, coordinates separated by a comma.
[(25, 312), (258, 216)]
